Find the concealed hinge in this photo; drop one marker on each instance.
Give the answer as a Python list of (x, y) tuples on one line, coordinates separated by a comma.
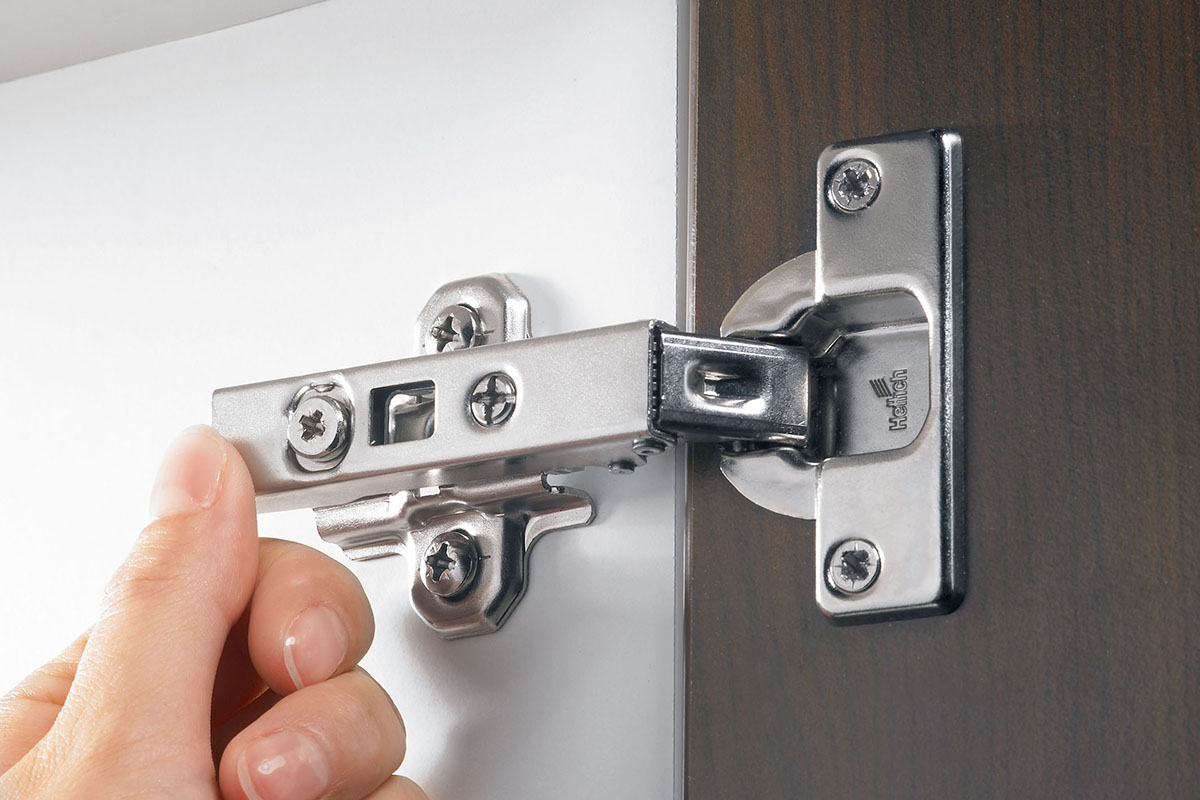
[(834, 393)]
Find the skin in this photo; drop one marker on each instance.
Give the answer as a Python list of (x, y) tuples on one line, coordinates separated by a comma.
[(221, 666)]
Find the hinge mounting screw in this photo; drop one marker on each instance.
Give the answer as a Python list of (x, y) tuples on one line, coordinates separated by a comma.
[(853, 566), (450, 563), (455, 328), (319, 425), (854, 185), (649, 447), (493, 400)]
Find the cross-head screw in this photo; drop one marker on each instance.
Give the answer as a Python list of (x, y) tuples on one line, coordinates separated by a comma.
[(853, 566), (450, 563), (854, 185), (318, 427), (455, 328), (493, 400)]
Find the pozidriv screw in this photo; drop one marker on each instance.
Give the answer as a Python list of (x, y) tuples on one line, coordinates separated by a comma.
[(450, 564), (455, 328), (493, 400), (853, 566), (318, 426), (854, 185)]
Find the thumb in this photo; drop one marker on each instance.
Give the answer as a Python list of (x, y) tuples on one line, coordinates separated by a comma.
[(149, 665)]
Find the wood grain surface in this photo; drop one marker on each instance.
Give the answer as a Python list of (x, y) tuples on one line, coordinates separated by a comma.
[(1070, 670)]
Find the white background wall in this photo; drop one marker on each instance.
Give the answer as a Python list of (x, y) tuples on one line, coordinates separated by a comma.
[(282, 197), (40, 35)]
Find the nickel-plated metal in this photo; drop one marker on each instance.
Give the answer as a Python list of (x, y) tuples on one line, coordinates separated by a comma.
[(444, 453), (456, 327), (909, 501), (491, 306), (780, 479), (318, 426), (853, 185), (649, 447), (853, 566), (561, 421), (493, 400), (503, 518), (428, 465), (712, 389), (835, 394), (878, 306), (450, 563), (704, 388), (775, 305)]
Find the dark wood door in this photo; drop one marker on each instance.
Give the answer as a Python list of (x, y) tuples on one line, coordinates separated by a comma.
[(1070, 669)]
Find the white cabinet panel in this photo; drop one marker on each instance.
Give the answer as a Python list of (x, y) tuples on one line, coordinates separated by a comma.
[(174, 219), (41, 35)]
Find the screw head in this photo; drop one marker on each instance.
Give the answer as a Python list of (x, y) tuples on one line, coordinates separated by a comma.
[(450, 563), (854, 185), (493, 400), (853, 566), (318, 426), (456, 328), (649, 447)]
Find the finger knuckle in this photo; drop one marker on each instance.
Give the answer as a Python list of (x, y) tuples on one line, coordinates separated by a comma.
[(150, 570), (359, 700), (364, 706)]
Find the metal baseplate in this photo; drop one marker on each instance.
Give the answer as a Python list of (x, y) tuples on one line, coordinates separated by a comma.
[(834, 393)]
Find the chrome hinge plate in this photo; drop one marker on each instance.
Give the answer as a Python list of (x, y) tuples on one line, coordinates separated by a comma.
[(881, 299)]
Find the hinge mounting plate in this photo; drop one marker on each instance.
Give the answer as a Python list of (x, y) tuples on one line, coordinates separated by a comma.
[(878, 306)]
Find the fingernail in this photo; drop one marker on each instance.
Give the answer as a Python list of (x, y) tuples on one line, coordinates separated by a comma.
[(190, 475), (314, 646), (287, 765)]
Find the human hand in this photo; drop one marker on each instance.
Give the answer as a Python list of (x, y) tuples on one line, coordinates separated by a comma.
[(222, 666)]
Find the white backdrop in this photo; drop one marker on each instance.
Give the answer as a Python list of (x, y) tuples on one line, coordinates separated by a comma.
[(281, 198), (40, 35)]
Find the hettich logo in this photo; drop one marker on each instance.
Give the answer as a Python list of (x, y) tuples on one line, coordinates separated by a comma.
[(895, 391)]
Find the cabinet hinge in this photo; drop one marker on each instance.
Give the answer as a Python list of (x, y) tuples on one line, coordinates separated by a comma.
[(833, 392)]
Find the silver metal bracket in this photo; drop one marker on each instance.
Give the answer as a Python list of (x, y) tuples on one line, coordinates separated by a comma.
[(469, 545), (878, 307), (834, 393)]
